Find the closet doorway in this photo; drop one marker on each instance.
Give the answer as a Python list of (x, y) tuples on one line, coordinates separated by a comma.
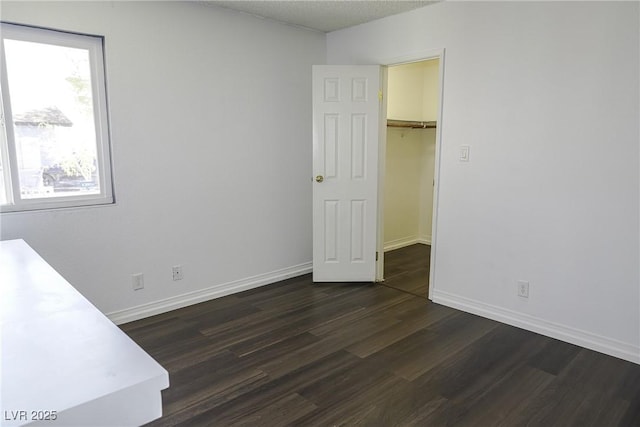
[(413, 96)]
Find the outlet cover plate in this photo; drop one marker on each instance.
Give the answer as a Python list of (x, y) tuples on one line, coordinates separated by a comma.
[(137, 280), (523, 288), (177, 272)]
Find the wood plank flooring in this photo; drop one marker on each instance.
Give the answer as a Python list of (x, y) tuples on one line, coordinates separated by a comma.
[(407, 269), (298, 353)]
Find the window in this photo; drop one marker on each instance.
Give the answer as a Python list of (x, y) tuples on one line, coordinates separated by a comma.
[(54, 140)]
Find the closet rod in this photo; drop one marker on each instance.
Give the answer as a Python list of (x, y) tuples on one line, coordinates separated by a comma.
[(411, 124)]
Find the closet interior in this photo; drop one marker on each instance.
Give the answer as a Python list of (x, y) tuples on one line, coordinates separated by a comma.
[(412, 110)]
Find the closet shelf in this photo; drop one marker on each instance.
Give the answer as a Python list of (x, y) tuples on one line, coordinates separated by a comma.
[(410, 124)]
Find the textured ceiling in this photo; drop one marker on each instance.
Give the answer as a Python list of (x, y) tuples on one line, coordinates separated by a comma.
[(322, 15)]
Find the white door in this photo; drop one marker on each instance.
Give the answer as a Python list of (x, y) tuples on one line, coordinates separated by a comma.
[(346, 120)]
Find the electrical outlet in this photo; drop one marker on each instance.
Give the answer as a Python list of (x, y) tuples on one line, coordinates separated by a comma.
[(137, 281), (177, 272), (523, 289)]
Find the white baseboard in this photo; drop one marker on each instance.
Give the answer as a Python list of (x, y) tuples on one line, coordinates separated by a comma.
[(216, 291), (571, 335), (406, 241), (426, 240)]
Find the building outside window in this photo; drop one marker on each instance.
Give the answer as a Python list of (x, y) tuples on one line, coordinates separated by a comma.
[(54, 143)]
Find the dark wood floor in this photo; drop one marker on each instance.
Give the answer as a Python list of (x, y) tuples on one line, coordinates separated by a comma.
[(361, 354), (407, 269)]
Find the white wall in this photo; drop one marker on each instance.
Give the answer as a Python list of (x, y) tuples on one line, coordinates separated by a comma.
[(546, 95), (405, 92), (427, 160), (211, 137), (412, 91), (402, 187), (430, 89), (408, 191)]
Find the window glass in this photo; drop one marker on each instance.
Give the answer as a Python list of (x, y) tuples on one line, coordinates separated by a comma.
[(57, 144)]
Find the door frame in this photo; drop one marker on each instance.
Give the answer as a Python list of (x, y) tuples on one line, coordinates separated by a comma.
[(400, 60)]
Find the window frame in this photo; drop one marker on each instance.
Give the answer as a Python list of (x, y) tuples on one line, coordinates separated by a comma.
[(95, 47)]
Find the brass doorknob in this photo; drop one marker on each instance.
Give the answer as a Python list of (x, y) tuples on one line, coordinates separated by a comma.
[(319, 178)]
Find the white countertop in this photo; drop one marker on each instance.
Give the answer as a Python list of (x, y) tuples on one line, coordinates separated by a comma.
[(60, 353)]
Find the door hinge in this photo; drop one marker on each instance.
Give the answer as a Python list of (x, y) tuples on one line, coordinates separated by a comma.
[(376, 255), (380, 95)]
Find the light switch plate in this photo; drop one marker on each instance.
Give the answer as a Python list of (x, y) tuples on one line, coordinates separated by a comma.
[(464, 153)]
